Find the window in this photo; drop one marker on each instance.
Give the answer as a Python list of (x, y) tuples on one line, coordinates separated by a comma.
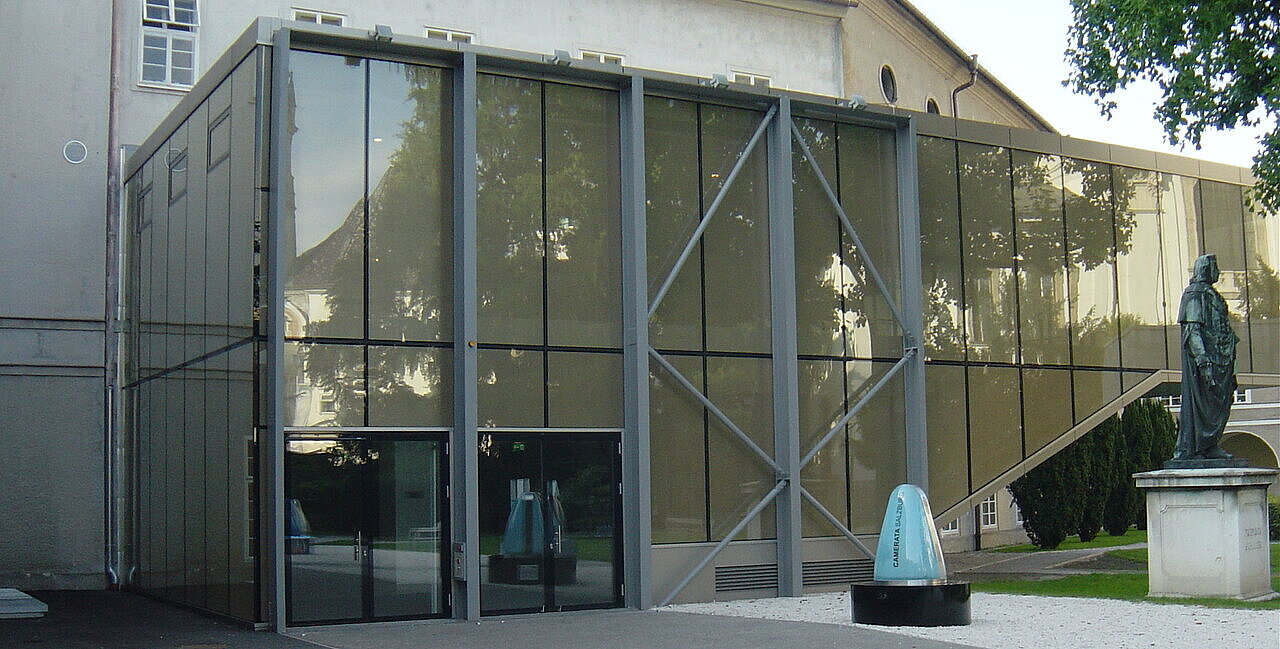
[(319, 17), (951, 528), (1171, 401), (602, 57), (169, 42), (750, 78), (1241, 396), (450, 35), (888, 84), (987, 512), (931, 107), (1017, 511)]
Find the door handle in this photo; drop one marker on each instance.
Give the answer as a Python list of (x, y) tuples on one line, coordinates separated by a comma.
[(358, 541)]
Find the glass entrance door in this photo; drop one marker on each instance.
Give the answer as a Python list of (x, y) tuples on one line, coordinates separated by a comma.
[(550, 522), (365, 519)]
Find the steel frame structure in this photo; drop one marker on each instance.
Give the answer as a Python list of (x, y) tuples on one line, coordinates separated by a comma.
[(779, 133)]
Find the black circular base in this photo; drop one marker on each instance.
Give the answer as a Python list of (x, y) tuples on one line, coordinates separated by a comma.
[(901, 605)]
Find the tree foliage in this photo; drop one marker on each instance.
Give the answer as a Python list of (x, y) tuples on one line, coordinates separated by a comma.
[(1214, 61)]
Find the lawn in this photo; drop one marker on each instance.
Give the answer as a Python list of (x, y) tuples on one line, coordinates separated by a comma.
[(1124, 586), (1103, 540)]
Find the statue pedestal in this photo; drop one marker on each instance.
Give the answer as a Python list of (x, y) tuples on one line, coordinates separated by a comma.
[(1207, 532)]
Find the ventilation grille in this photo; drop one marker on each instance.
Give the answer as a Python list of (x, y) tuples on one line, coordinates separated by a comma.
[(750, 577), (840, 571), (764, 576)]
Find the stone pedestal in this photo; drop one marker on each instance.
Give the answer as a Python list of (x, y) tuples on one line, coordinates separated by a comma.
[(1207, 532)]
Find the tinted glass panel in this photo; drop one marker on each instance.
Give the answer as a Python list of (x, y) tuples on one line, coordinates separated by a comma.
[(1042, 268), (1139, 268), (1224, 238), (510, 391), (1262, 253), (822, 404), (324, 385), (324, 257), (672, 214), (948, 436), (1091, 271), (584, 390), (1180, 245), (819, 271), (678, 484), (995, 425), (742, 389), (410, 386), (410, 203), (877, 443), (939, 254), (868, 193), (988, 247)]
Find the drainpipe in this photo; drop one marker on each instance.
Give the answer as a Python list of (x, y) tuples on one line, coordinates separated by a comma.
[(973, 78), (110, 464)]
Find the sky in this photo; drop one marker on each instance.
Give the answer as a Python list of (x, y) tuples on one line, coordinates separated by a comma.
[(1021, 43)]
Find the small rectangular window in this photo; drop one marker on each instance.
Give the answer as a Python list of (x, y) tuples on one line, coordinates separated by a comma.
[(607, 58), (170, 14), (750, 78), (452, 35), (951, 528), (169, 42), (319, 17), (987, 512)]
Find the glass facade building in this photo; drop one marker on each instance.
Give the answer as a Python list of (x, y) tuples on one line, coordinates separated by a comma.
[(421, 329)]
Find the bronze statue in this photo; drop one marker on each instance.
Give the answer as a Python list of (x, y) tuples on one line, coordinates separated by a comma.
[(1208, 370)]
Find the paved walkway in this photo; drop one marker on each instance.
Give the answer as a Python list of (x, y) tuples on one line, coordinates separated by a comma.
[(990, 564), (621, 629)]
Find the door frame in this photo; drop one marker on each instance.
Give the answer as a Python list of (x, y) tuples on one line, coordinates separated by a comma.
[(366, 560), (548, 587)]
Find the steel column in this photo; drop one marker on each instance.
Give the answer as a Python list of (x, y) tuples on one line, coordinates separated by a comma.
[(279, 175), (637, 550), (917, 442), (786, 388), (464, 501)]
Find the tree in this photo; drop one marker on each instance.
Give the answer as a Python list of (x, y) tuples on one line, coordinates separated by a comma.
[(1213, 60), (1095, 455), (1049, 500)]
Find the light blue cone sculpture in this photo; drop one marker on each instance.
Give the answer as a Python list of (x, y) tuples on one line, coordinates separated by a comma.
[(909, 549)]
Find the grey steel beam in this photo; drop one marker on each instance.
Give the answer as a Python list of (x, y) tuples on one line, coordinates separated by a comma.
[(861, 403), (917, 442), (737, 529), (718, 414), (464, 501), (786, 384), (711, 211), (637, 550), (279, 175), (835, 522), (848, 227)]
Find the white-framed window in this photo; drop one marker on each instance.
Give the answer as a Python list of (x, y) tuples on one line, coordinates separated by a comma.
[(951, 528), (987, 512), (1171, 401), (1241, 396), (602, 57), (169, 43), (452, 35), (319, 17), (750, 78)]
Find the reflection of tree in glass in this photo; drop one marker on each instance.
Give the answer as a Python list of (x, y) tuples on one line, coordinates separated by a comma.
[(1264, 292)]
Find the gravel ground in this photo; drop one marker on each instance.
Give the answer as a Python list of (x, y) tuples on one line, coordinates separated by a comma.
[(1026, 622)]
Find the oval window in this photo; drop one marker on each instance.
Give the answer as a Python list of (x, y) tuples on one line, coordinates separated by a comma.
[(931, 107), (888, 84)]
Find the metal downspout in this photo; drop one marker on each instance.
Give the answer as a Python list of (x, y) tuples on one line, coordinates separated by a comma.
[(973, 78), (111, 347)]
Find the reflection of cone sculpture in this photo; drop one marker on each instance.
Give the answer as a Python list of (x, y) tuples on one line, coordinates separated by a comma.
[(910, 586)]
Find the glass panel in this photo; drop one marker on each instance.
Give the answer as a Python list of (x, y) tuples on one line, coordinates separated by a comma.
[(324, 257), (742, 389), (940, 256), (1262, 254), (410, 203), (326, 512), (584, 390), (247, 167), (986, 210), (817, 246), (510, 391), (509, 208), (513, 526), (948, 437), (324, 385), (584, 271), (1140, 290), (1093, 390), (1047, 408), (1224, 237), (676, 426), (736, 269), (1042, 266), (995, 422), (404, 528), (174, 541), (582, 481), (193, 461), (215, 247), (869, 195), (673, 211), (877, 443), (822, 404), (1180, 245), (1091, 280), (217, 506), (410, 386), (197, 343), (175, 313), (242, 484)]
